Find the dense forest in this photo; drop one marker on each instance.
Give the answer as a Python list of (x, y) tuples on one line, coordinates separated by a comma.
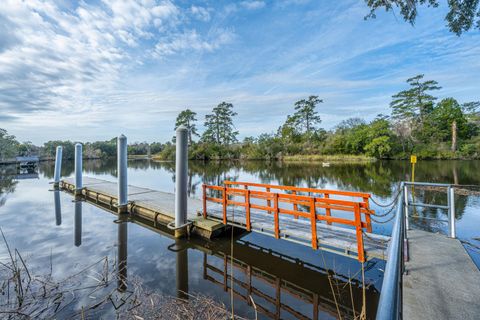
[(419, 124)]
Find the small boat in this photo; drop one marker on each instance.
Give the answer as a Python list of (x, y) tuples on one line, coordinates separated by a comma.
[(325, 164)]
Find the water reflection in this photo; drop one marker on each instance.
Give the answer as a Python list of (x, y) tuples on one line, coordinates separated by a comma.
[(181, 268), (122, 254), (7, 182), (78, 223), (58, 207)]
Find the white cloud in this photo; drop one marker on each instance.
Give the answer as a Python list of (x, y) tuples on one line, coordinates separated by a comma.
[(200, 13), (192, 40), (252, 5)]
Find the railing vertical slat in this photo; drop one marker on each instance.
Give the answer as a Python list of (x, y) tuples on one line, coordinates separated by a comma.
[(204, 187), (358, 228), (368, 219), (276, 212), (313, 222), (225, 197), (328, 211), (247, 209)]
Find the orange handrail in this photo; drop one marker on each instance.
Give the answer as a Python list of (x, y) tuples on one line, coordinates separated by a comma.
[(326, 202)]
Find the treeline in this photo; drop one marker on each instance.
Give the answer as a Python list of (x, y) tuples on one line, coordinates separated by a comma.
[(418, 124), (11, 147)]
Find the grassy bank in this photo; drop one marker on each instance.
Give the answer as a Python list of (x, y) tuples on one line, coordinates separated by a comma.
[(329, 158)]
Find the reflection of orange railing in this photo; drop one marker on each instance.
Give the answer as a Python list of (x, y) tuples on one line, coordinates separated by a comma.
[(318, 199)]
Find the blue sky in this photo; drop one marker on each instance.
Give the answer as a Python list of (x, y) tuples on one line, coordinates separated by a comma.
[(91, 70)]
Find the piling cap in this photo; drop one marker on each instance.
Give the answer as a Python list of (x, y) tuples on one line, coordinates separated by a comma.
[(122, 136), (59, 147), (182, 128), (78, 145)]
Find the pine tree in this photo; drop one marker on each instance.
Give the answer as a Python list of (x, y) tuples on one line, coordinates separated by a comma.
[(187, 118), (306, 115), (219, 125)]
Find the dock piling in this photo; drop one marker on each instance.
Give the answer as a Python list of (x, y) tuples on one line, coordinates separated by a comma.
[(78, 169), (122, 174), (451, 212), (58, 167), (181, 180)]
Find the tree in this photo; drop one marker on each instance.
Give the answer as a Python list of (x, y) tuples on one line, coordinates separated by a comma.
[(449, 122), (8, 145), (306, 115), (460, 18), (187, 118), (219, 125), (416, 103)]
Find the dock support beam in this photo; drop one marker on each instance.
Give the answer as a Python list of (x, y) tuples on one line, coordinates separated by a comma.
[(181, 180), (122, 174), (58, 167), (78, 169)]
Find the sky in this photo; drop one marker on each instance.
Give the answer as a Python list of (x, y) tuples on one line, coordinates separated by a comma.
[(92, 70)]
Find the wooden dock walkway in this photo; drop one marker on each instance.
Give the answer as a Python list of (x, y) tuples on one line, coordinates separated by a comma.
[(158, 207), (442, 282)]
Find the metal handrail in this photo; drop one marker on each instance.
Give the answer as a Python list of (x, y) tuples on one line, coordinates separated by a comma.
[(390, 304)]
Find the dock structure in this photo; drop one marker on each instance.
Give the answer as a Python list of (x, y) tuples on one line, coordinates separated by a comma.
[(427, 275), (351, 238), (441, 282), (153, 205)]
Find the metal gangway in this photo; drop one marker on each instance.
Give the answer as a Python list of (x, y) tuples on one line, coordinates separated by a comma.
[(391, 297)]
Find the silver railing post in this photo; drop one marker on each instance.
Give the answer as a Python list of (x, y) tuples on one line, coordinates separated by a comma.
[(122, 174), (181, 176), (451, 212), (405, 192), (78, 169), (58, 167)]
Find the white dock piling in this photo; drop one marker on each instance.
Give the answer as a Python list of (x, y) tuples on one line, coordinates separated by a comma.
[(451, 212), (181, 177), (58, 167), (122, 174), (78, 169)]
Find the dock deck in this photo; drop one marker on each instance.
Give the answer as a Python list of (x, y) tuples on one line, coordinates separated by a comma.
[(159, 207), (442, 280)]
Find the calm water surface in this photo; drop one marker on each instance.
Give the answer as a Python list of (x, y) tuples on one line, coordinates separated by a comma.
[(287, 280)]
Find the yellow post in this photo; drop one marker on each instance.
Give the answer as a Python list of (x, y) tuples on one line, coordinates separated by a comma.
[(413, 160)]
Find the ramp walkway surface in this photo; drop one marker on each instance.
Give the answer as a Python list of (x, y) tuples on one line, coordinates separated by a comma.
[(442, 282)]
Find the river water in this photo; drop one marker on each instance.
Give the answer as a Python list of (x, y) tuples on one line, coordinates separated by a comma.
[(59, 237)]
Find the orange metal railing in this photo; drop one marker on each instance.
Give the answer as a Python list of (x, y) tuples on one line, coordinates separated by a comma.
[(319, 198)]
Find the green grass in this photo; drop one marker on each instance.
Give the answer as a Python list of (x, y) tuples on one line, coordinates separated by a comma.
[(329, 158)]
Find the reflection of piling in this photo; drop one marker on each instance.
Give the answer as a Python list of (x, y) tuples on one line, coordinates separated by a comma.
[(122, 174), (78, 169), (181, 177), (182, 272), (78, 223), (58, 208), (122, 256), (58, 167)]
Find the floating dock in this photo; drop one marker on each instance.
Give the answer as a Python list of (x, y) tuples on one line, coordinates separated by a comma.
[(158, 207), (153, 205)]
